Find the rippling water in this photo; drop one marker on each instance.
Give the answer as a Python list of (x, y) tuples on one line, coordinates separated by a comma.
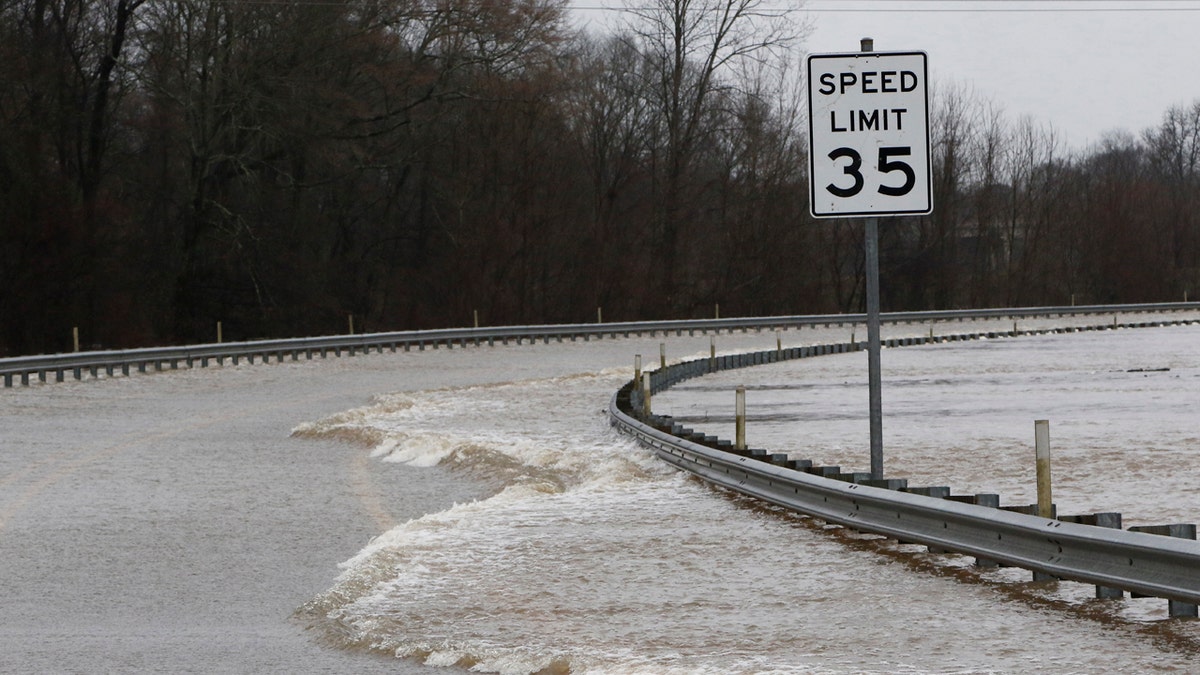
[(591, 556), (1121, 406)]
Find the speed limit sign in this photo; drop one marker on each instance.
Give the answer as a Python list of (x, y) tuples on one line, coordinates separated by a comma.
[(868, 122)]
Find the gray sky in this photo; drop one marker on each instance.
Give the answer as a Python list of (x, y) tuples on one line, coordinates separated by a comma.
[(1086, 68)]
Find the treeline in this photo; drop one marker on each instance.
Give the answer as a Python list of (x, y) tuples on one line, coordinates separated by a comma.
[(282, 165)]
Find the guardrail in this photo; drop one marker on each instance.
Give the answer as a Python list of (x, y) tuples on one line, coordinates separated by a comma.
[(24, 368), (1115, 560)]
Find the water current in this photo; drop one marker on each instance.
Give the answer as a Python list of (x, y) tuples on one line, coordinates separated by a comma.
[(585, 554)]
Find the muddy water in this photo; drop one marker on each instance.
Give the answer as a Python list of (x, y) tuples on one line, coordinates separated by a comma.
[(472, 508)]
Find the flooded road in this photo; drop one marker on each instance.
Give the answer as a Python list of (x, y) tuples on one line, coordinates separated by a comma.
[(425, 511)]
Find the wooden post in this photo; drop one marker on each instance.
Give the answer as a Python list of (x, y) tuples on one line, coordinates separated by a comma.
[(779, 344), (646, 394), (662, 355), (75, 335), (712, 353), (1041, 432), (740, 442), (717, 311), (476, 312), (350, 317), (637, 368), (219, 336)]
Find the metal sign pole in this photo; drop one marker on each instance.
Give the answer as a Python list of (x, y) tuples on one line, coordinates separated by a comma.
[(874, 377), (871, 250)]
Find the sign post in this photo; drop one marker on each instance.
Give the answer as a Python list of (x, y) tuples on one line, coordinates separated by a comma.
[(868, 122)]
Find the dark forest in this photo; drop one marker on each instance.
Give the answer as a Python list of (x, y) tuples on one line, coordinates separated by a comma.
[(285, 167)]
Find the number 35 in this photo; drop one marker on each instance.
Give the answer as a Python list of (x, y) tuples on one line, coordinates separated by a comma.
[(886, 165)]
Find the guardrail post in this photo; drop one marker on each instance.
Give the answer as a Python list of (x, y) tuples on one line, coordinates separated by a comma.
[(646, 394), (1113, 521), (712, 353), (1041, 432), (779, 344), (990, 500), (1175, 608), (662, 354), (637, 368), (740, 436)]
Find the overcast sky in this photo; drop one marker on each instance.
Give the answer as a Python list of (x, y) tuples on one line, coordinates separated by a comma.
[(1086, 67)]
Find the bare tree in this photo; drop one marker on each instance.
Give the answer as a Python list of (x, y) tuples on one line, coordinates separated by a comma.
[(761, 237), (935, 265), (1125, 261), (1173, 149), (62, 82), (988, 194), (608, 113), (695, 46), (1031, 162)]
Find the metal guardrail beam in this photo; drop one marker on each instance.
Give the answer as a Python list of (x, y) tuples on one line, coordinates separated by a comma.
[(1142, 563), (1146, 564), (42, 366)]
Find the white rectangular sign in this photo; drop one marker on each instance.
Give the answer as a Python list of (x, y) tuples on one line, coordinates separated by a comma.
[(868, 123)]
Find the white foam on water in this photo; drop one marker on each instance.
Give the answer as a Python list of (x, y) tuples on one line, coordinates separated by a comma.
[(591, 556), (594, 557)]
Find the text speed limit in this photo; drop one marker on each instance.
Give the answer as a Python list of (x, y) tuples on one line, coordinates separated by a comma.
[(868, 134)]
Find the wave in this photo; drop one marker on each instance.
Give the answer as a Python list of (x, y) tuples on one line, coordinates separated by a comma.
[(549, 431), (591, 556), (533, 442)]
